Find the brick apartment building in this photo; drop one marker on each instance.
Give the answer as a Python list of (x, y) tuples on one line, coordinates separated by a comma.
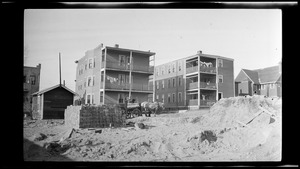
[(194, 82), (103, 75), (266, 81), (31, 84)]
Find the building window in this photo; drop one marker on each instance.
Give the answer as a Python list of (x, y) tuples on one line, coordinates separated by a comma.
[(179, 81), (157, 85), (220, 77), (121, 98), (169, 98), (157, 97), (173, 98), (179, 66), (121, 78), (169, 83), (101, 97), (162, 70), (262, 87), (91, 63), (173, 68), (85, 66), (121, 60), (179, 97), (157, 71), (102, 77), (32, 79), (169, 69), (220, 62), (174, 82), (88, 99), (272, 86), (163, 98), (103, 58), (163, 84)]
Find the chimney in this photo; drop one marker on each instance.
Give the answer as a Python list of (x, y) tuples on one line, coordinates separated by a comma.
[(116, 45), (199, 52)]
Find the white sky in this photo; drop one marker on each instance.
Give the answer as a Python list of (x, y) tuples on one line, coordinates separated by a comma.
[(252, 37)]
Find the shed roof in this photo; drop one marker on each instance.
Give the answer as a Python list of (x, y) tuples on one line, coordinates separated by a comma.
[(51, 88), (253, 75)]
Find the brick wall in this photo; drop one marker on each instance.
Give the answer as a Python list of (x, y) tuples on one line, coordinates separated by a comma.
[(93, 116)]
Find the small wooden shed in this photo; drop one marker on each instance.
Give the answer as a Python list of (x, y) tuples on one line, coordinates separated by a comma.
[(51, 103)]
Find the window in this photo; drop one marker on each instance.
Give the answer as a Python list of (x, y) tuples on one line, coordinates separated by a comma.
[(101, 97), (88, 99), (179, 81), (121, 98), (169, 83), (220, 63), (32, 79), (169, 69), (90, 81), (121, 78), (262, 87), (163, 84), (174, 82), (162, 70), (179, 66), (84, 82), (169, 98), (173, 70), (272, 86), (157, 97), (220, 78), (102, 77), (157, 71), (85, 66), (91, 60), (121, 60), (173, 98), (102, 58), (157, 85), (179, 97), (163, 98)]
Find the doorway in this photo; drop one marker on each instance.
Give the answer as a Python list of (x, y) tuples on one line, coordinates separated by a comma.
[(220, 95)]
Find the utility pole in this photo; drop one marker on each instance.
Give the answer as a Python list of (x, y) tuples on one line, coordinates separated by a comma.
[(59, 71)]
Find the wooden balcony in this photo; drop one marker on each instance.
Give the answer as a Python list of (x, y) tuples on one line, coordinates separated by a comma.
[(193, 85), (208, 69), (191, 69), (138, 68), (126, 87), (204, 85), (193, 102)]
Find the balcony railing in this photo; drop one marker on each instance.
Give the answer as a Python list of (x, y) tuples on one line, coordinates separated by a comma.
[(126, 86), (116, 65), (208, 85), (207, 103), (26, 86), (193, 85), (191, 69), (208, 69), (193, 102)]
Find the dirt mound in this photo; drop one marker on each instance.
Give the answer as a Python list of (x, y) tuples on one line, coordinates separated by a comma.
[(241, 123)]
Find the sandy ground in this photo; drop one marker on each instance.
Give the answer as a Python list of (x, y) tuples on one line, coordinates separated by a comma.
[(167, 137)]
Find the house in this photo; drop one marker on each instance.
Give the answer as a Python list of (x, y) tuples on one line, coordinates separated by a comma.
[(266, 81), (194, 82), (31, 84), (108, 75), (51, 103)]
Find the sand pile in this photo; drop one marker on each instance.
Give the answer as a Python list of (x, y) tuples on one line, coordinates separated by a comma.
[(238, 124)]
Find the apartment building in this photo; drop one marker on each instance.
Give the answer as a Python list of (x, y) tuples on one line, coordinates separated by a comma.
[(265, 81), (194, 82), (107, 75), (31, 84)]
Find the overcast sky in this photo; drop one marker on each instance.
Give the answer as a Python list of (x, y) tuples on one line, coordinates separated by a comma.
[(252, 37)]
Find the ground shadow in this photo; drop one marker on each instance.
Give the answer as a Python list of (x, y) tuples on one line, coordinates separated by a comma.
[(34, 152)]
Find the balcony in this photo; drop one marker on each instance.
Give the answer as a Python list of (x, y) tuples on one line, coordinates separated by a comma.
[(193, 102), (191, 69), (126, 87), (207, 103), (26, 86), (193, 85), (140, 68), (204, 85), (208, 69)]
